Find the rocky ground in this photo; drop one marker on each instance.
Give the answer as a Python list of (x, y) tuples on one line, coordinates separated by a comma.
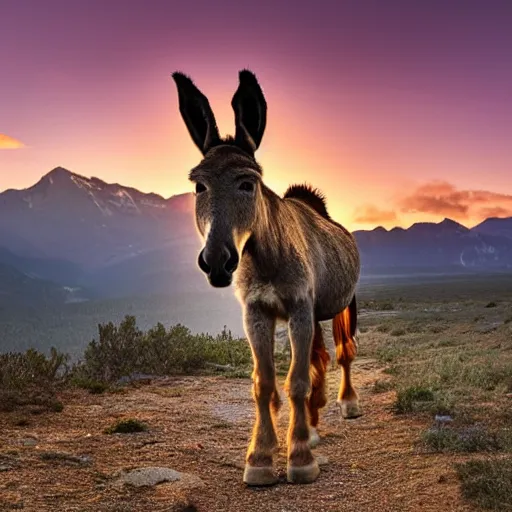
[(191, 457)]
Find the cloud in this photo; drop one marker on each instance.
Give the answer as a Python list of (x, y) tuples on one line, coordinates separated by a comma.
[(7, 142), (371, 215), (443, 198), (440, 199), (495, 211)]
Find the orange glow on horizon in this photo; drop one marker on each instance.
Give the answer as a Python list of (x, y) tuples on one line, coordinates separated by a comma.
[(363, 173)]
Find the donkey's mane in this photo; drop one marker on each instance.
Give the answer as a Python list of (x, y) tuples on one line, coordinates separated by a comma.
[(309, 195)]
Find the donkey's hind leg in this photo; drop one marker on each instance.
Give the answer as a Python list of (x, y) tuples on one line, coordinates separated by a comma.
[(259, 327), (344, 328), (317, 369)]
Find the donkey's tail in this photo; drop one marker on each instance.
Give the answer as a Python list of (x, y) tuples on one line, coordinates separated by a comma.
[(344, 329), (317, 369), (319, 358)]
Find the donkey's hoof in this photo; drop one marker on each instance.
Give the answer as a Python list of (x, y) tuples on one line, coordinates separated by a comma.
[(303, 474), (314, 438), (350, 409), (259, 476)]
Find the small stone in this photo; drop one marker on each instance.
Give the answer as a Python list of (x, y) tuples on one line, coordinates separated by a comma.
[(443, 418), (322, 460), (5, 467), (29, 442), (136, 377), (81, 460), (151, 476)]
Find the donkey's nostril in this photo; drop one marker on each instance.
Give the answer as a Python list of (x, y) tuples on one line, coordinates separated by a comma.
[(232, 262), (202, 263)]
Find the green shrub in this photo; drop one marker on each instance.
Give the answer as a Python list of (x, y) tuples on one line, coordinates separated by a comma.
[(412, 399), (487, 483), (468, 439), (125, 350), (31, 378)]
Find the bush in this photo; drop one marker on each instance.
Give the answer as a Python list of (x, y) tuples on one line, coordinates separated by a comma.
[(31, 378), (469, 439), (412, 399), (382, 386), (125, 350), (487, 483)]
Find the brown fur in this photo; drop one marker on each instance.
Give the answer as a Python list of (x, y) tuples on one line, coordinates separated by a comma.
[(289, 261), (344, 327), (319, 360)]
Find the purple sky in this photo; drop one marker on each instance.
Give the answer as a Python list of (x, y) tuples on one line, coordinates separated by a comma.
[(398, 110)]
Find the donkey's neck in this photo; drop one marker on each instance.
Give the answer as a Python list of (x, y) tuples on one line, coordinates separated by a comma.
[(269, 241)]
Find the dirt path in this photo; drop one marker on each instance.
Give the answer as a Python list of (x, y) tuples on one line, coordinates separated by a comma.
[(202, 426)]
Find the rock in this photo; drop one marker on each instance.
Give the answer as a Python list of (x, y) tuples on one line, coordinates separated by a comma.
[(30, 441), (151, 476), (322, 460), (443, 418), (136, 377), (5, 467), (487, 328), (81, 460)]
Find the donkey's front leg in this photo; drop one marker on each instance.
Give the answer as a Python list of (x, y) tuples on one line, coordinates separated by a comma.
[(259, 327), (302, 466)]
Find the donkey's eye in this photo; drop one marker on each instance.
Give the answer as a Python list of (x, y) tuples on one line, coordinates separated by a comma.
[(246, 186), (200, 188)]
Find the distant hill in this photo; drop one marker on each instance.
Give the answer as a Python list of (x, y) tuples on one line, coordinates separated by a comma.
[(77, 230), (70, 238), (17, 288), (57, 270), (447, 246), (89, 222), (495, 226)]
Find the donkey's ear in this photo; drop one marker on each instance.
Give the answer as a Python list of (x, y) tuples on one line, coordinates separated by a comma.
[(250, 112), (197, 113)]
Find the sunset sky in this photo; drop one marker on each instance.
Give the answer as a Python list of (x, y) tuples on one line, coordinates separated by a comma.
[(399, 111)]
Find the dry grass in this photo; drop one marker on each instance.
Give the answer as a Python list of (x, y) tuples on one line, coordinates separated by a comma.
[(487, 483), (31, 379)]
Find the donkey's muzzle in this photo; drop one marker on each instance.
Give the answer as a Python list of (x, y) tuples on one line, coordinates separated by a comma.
[(219, 266)]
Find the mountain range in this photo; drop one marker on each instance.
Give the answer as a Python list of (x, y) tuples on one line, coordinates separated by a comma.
[(71, 239)]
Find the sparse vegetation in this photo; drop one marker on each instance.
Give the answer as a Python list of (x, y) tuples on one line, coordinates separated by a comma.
[(412, 399), (124, 350), (31, 379), (453, 356), (473, 438), (487, 483), (382, 386)]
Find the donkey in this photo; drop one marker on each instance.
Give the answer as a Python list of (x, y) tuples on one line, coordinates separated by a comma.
[(289, 261)]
